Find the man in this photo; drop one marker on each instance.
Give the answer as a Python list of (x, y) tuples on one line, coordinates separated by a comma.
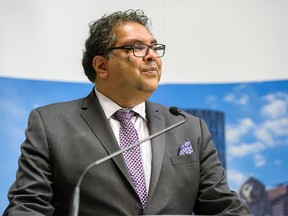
[(123, 59)]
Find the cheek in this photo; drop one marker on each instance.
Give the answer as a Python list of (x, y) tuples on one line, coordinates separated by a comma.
[(159, 64), (129, 62)]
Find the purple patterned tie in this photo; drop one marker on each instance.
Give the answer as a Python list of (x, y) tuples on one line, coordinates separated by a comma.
[(128, 135)]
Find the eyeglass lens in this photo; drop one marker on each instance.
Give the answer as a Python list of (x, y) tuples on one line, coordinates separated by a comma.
[(141, 50)]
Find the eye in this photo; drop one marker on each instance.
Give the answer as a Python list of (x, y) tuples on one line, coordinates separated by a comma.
[(158, 47), (139, 46)]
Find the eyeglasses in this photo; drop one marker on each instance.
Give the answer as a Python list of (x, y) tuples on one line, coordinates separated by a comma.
[(141, 50)]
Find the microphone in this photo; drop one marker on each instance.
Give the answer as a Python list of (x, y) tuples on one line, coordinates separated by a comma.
[(74, 208)]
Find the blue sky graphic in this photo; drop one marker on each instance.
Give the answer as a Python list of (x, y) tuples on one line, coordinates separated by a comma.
[(256, 122)]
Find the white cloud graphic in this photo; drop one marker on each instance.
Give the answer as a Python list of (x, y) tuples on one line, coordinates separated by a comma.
[(235, 132), (264, 135), (259, 160), (278, 127), (274, 96), (275, 109), (235, 179), (244, 149), (277, 105), (239, 100), (274, 128), (249, 138)]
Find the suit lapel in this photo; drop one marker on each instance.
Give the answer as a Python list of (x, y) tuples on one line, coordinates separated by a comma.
[(94, 116), (156, 123)]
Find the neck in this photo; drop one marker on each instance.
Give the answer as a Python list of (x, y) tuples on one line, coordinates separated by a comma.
[(127, 100)]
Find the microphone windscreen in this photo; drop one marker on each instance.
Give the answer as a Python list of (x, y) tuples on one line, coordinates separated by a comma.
[(175, 110)]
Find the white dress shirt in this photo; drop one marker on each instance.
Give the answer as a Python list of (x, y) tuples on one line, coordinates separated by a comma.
[(140, 123)]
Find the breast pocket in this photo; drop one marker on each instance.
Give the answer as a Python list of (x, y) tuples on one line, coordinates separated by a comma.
[(185, 159)]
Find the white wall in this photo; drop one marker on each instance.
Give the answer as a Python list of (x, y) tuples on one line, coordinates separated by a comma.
[(207, 41)]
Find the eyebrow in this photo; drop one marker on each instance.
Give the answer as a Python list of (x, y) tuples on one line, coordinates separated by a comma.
[(133, 41)]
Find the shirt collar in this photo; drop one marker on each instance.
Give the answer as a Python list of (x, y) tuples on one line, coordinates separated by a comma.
[(110, 107)]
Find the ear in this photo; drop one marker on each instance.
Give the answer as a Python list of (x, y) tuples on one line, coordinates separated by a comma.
[(99, 65)]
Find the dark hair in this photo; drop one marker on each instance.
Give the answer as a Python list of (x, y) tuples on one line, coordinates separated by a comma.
[(102, 36)]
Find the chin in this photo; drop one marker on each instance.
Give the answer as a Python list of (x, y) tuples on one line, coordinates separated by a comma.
[(149, 86)]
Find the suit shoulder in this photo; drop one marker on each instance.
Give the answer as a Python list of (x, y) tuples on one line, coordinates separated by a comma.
[(65, 109), (61, 105), (165, 110)]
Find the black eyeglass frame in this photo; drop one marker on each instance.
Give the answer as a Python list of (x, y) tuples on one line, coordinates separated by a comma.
[(131, 47)]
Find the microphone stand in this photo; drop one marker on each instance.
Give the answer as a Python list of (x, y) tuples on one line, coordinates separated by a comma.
[(76, 194)]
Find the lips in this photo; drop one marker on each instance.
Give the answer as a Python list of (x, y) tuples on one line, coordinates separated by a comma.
[(151, 69)]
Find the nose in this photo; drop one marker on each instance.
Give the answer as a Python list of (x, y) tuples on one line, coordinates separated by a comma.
[(151, 55)]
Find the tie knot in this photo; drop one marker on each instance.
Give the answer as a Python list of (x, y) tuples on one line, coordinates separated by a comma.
[(124, 115)]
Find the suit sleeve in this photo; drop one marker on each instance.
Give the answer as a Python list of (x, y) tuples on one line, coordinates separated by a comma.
[(31, 193), (215, 196)]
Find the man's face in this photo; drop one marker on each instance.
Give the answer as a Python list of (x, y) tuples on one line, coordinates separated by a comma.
[(132, 75)]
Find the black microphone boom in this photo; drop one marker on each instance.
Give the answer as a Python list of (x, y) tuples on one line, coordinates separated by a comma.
[(176, 111), (74, 209)]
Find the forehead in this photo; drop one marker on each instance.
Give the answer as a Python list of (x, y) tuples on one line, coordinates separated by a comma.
[(132, 32)]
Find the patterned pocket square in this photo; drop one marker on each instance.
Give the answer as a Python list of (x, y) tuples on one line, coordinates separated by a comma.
[(186, 148)]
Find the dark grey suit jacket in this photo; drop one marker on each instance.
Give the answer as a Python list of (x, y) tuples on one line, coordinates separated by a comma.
[(63, 139)]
